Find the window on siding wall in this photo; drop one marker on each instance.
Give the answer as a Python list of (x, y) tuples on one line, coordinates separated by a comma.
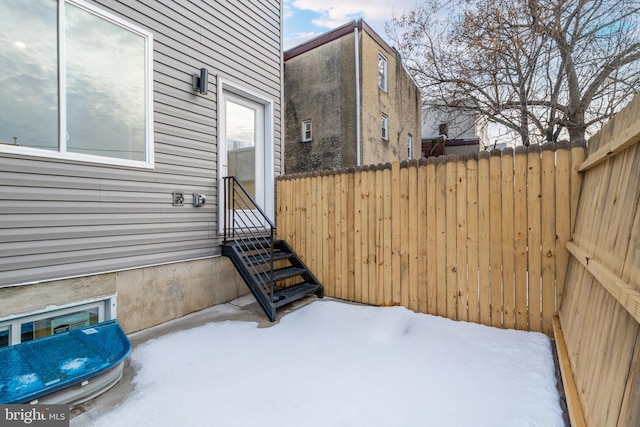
[(382, 72), (410, 144), (51, 322), (79, 91), (385, 127), (307, 133)]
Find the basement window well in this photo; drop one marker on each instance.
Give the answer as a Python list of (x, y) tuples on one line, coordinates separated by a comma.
[(46, 323)]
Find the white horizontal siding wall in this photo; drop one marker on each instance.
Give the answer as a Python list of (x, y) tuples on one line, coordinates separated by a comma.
[(63, 219)]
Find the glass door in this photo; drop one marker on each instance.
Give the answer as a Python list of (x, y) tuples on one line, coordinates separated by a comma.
[(243, 151)]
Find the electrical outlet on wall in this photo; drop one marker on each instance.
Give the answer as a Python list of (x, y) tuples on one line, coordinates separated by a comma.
[(178, 198)]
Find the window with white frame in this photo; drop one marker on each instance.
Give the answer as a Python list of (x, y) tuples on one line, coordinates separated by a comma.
[(307, 131), (385, 127), (382, 71), (77, 84), (410, 144), (4, 336), (51, 322)]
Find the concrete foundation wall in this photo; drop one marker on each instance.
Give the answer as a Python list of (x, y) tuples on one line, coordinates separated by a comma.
[(145, 296)]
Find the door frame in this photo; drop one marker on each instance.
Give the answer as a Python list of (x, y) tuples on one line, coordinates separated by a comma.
[(225, 86)]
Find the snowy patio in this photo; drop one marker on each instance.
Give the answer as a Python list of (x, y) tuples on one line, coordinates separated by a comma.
[(331, 363)]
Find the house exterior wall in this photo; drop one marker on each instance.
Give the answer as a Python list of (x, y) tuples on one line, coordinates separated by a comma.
[(313, 91), (401, 103), (320, 85), (466, 130), (62, 222)]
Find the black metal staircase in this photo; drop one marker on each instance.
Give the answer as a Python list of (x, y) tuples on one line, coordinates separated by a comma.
[(271, 269)]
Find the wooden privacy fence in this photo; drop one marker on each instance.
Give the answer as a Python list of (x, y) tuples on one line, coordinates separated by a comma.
[(598, 331), (479, 238)]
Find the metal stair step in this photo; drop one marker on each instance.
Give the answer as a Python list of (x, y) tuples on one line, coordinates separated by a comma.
[(282, 273), (251, 244), (264, 258), (289, 294)]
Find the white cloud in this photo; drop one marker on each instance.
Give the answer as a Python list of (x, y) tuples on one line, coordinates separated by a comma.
[(296, 39), (334, 13)]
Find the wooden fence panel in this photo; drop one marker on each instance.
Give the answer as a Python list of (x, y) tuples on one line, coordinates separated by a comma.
[(600, 311), (475, 238)]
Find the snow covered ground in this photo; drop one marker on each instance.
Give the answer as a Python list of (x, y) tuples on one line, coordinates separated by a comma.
[(337, 364)]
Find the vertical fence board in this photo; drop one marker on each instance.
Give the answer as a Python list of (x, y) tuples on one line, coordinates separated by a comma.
[(432, 238), (375, 291), (350, 239), (630, 410), (319, 216), (472, 239), (396, 220), (577, 157), (301, 195), (362, 282), (451, 241), (484, 228), (520, 231), (421, 236), (462, 236), (495, 218), (358, 225), (563, 216), (412, 231), (311, 228), (534, 239), (508, 240), (340, 247), (371, 236), (331, 242), (325, 272), (441, 235), (387, 257), (548, 201), (403, 243)]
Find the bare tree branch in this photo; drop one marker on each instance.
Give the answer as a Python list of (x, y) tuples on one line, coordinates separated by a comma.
[(538, 67)]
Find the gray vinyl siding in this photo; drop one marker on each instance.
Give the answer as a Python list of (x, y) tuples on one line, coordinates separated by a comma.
[(62, 218)]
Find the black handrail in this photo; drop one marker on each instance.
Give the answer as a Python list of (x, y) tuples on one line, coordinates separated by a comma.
[(249, 226)]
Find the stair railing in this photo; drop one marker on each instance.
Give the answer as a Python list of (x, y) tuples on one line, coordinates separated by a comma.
[(254, 233)]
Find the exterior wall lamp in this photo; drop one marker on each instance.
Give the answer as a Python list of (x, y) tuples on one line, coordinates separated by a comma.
[(199, 82)]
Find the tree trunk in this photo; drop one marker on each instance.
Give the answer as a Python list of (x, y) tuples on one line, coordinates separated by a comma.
[(577, 128)]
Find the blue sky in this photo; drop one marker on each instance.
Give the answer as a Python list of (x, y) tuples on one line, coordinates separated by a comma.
[(305, 19)]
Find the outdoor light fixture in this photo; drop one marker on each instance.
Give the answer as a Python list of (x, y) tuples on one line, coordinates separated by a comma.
[(200, 82)]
